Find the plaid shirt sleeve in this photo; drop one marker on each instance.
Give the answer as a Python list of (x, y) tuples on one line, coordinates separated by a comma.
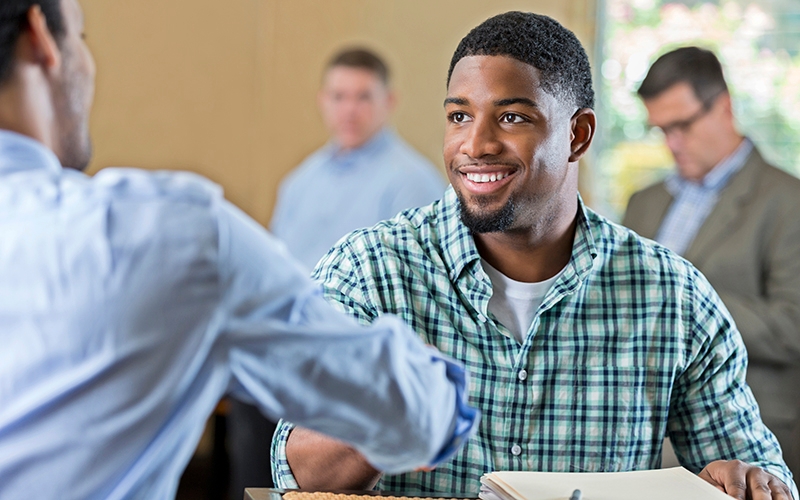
[(281, 472), (713, 414)]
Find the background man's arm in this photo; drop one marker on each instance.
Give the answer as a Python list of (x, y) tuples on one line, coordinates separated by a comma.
[(769, 322)]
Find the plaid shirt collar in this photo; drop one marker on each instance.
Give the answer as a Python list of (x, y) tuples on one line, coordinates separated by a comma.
[(461, 254)]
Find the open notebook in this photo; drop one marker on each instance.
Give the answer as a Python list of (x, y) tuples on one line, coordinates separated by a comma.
[(666, 484)]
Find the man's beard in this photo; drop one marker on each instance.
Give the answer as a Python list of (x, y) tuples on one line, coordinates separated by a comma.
[(77, 150), (488, 222)]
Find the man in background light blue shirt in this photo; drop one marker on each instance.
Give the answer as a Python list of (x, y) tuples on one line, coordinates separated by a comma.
[(132, 301), (365, 174)]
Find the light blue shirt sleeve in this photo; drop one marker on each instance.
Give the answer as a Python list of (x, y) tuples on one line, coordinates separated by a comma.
[(402, 404), (132, 301)]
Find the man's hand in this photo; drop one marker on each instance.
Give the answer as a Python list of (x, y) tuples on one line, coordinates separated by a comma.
[(745, 482)]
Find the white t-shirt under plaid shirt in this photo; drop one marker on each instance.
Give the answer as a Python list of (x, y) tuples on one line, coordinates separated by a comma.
[(630, 344)]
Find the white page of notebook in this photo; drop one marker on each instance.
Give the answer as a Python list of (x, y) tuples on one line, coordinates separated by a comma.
[(659, 484)]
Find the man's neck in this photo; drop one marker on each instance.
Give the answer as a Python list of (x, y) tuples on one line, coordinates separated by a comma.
[(526, 256), (22, 107), (342, 150), (726, 147)]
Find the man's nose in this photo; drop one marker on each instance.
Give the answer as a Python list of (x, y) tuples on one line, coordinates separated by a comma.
[(482, 139), (350, 105), (674, 140)]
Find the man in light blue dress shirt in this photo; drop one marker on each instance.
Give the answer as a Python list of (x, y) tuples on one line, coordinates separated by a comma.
[(132, 301)]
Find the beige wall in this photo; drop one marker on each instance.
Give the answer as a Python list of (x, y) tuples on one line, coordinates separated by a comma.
[(227, 89)]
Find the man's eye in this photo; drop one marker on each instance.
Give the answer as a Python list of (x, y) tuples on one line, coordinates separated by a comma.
[(458, 117), (512, 118)]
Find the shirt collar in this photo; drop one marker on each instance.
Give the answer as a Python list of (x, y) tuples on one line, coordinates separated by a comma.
[(19, 152), (345, 159), (457, 243), (718, 177), (460, 250)]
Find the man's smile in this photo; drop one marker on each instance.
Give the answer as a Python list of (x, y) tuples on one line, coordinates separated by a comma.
[(494, 176), (486, 179)]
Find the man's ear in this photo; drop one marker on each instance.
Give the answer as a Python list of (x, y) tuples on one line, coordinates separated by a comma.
[(725, 101), (391, 100), (583, 125), (320, 99), (42, 44)]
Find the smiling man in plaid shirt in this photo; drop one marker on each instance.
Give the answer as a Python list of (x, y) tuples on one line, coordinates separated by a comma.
[(586, 344)]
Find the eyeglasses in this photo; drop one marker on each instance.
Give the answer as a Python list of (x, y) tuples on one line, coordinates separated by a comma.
[(683, 126)]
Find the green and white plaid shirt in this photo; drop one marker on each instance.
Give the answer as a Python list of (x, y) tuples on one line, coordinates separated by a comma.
[(630, 344)]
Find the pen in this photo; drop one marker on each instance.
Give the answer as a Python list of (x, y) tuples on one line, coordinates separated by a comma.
[(576, 495)]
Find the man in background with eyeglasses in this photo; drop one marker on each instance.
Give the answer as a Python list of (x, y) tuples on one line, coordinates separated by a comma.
[(736, 218)]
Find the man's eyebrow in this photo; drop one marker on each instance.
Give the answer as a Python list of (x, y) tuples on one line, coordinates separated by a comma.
[(460, 101), (516, 100)]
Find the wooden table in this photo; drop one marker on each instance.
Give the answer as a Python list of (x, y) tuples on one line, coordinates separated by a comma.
[(262, 494), (277, 494)]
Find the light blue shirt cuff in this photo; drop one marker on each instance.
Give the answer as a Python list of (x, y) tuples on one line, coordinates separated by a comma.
[(467, 417)]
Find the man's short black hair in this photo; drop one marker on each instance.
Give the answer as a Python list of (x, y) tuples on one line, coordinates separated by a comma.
[(539, 41), (359, 57), (698, 67), (13, 21)]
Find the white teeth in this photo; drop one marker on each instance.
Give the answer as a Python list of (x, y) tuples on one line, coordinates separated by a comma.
[(486, 177)]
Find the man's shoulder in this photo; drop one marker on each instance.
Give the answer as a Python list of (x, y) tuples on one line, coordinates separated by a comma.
[(770, 193), (656, 188), (381, 267), (412, 236), (308, 166), (131, 184), (624, 249), (414, 225), (404, 156), (646, 208), (775, 178)]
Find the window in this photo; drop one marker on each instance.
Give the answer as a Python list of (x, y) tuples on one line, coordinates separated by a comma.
[(758, 43)]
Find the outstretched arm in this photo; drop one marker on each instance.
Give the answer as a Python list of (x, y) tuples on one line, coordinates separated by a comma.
[(376, 387)]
